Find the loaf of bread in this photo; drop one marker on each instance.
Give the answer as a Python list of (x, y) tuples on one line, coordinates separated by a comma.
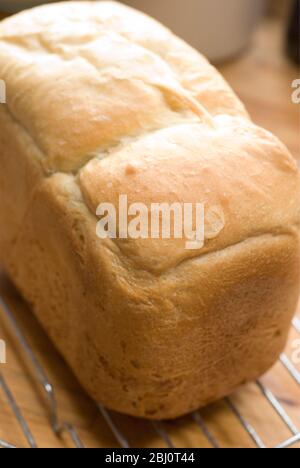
[(103, 101)]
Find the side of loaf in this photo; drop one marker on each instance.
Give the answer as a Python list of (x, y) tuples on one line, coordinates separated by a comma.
[(103, 101)]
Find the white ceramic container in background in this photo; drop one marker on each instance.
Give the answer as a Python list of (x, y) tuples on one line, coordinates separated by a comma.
[(218, 28)]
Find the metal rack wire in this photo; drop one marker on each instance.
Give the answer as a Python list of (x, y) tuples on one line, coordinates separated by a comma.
[(60, 427)]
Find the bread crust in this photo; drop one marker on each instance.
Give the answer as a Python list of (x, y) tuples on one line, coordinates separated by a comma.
[(120, 105)]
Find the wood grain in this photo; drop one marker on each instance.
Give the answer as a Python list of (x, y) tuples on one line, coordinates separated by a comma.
[(262, 77)]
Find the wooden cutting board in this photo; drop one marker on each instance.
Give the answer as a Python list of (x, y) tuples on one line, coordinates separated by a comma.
[(262, 77)]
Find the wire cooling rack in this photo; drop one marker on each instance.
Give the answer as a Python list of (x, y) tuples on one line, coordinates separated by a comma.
[(61, 427)]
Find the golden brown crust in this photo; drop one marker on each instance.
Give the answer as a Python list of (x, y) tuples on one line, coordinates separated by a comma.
[(120, 105), (86, 83), (162, 347), (227, 167)]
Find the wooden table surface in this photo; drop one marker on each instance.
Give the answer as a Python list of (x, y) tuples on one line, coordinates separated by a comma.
[(262, 76)]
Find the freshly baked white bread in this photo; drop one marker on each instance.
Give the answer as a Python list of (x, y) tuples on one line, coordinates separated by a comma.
[(103, 101)]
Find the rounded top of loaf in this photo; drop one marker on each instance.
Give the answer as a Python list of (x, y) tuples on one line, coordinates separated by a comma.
[(96, 73), (113, 98)]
